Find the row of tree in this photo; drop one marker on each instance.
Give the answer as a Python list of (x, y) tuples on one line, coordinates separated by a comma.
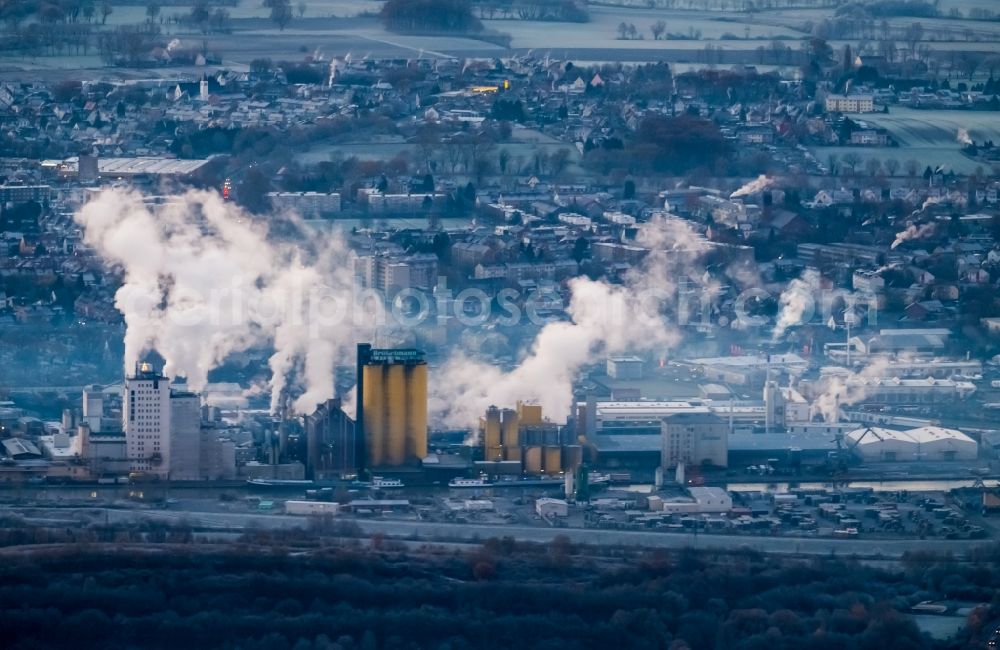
[(558, 11), (431, 16), (501, 595)]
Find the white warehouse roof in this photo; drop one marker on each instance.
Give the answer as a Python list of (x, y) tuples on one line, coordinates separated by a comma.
[(875, 435), (924, 435), (921, 443)]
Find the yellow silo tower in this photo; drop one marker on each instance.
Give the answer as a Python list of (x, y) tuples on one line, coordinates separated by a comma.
[(395, 403), (392, 406), (373, 413), (529, 414), (490, 427), (509, 429), (533, 459), (552, 460), (416, 409)]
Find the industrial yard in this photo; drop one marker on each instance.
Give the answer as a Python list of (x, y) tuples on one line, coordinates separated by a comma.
[(811, 519)]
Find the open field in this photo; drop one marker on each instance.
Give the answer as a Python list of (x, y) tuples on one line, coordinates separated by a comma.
[(933, 156), (602, 30), (965, 5), (336, 27), (929, 137), (916, 128), (124, 14)]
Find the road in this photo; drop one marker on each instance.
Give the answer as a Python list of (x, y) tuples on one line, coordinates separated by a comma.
[(434, 531)]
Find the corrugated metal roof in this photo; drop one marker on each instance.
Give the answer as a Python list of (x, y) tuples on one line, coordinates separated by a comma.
[(628, 443)]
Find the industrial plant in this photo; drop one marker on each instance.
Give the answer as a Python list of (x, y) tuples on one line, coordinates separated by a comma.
[(521, 440), (391, 407)]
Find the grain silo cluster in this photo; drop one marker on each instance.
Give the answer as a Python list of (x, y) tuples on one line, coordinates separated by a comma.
[(392, 406), (523, 435)]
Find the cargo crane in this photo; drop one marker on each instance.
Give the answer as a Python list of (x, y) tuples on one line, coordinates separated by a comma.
[(837, 461)]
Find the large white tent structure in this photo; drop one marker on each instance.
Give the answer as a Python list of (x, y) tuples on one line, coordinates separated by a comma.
[(877, 444)]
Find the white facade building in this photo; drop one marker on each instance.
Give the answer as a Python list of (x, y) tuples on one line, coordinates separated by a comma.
[(390, 274), (624, 367), (310, 205), (695, 438), (850, 104), (146, 421), (93, 406), (164, 436)]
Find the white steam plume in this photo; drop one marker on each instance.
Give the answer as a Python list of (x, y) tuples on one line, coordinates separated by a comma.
[(760, 184), (963, 137), (798, 299), (928, 202), (913, 232), (202, 280), (604, 319), (850, 388)]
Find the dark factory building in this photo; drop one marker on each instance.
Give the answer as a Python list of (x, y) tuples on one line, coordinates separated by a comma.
[(331, 448)]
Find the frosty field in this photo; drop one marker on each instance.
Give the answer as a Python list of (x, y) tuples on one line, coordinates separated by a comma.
[(917, 128)]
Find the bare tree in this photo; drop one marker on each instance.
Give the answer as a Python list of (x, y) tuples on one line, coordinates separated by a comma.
[(778, 49), (892, 166), (969, 63), (106, 10), (281, 12), (219, 19), (558, 161), (914, 34), (657, 29), (991, 64), (851, 159)]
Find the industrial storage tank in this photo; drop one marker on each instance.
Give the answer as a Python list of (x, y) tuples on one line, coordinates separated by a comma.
[(395, 405), (374, 413), (529, 414), (572, 457), (491, 435), (512, 453), (510, 428), (533, 460), (553, 460), (416, 409), (529, 437), (540, 434)]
